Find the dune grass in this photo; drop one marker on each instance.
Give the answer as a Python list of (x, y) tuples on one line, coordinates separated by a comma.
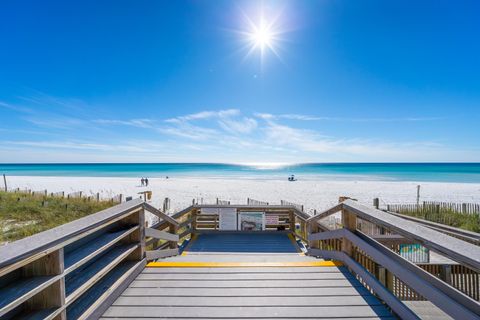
[(22, 215), (466, 221)]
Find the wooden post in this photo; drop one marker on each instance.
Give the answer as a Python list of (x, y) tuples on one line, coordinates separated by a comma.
[(166, 205), (138, 236), (54, 295), (312, 228), (5, 182), (292, 221), (389, 281), (446, 273), (349, 221), (385, 277), (173, 230), (194, 220), (418, 195)]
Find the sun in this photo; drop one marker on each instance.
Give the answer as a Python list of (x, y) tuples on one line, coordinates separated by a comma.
[(262, 33), (262, 37)]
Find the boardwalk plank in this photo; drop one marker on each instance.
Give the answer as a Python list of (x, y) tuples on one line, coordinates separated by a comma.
[(254, 292), (248, 301), (243, 284), (244, 276), (248, 312), (169, 270)]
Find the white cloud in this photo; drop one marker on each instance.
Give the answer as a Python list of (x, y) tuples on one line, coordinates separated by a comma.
[(140, 123), (244, 125), (304, 117), (206, 115), (189, 131)]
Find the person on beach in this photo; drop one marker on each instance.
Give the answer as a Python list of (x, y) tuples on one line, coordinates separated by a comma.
[(146, 182), (142, 181)]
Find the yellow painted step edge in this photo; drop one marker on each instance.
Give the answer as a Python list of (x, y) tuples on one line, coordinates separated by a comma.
[(191, 264)]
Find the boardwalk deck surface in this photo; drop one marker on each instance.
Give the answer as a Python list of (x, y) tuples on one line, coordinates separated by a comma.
[(266, 292)]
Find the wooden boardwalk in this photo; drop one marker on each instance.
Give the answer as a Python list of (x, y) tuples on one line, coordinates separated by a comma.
[(110, 265), (209, 290)]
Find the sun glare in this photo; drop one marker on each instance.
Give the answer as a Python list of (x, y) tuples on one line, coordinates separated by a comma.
[(262, 33), (262, 37)]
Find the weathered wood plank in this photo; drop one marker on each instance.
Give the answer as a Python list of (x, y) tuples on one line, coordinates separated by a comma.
[(244, 283), (325, 214), (78, 257), (80, 281), (161, 235), (248, 312), (244, 276), (185, 223), (213, 302), (320, 317), (160, 214), (157, 254), (98, 298), (21, 290), (260, 270), (237, 292)]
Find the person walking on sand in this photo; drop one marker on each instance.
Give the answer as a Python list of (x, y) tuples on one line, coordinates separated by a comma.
[(142, 181), (146, 182)]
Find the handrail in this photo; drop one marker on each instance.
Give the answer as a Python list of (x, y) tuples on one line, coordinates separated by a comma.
[(176, 215), (326, 213), (432, 288), (49, 274), (455, 249), (45, 241), (466, 235), (160, 214)]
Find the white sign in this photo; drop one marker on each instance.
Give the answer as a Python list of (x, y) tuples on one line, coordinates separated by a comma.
[(209, 211), (227, 219), (251, 221)]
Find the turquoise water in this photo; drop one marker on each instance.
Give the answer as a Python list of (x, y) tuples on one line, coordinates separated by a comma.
[(445, 172)]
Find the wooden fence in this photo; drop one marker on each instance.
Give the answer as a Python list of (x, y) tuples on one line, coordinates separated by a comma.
[(119, 198), (254, 202), (296, 205), (436, 207)]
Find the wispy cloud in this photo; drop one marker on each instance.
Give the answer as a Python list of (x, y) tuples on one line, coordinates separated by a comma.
[(140, 123), (211, 135), (56, 122), (206, 115), (303, 117), (236, 131), (15, 107)]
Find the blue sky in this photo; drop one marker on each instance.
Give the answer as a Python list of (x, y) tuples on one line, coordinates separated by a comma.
[(181, 81)]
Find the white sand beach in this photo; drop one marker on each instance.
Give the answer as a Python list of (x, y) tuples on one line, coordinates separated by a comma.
[(313, 194)]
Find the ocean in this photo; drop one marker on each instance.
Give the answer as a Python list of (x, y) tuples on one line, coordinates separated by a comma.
[(435, 172)]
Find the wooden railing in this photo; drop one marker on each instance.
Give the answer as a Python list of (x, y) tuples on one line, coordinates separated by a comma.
[(387, 274), (75, 271)]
